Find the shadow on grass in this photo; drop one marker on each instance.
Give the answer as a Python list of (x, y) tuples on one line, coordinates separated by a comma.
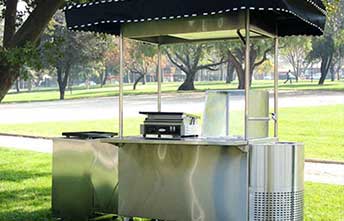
[(19, 215), (18, 176), (24, 196), (29, 204)]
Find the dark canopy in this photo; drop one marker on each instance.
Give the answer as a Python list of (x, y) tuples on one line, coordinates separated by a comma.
[(290, 17)]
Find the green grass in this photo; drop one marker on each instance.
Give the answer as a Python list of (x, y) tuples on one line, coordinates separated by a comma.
[(324, 202), (25, 190), (320, 128), (25, 186), (151, 88)]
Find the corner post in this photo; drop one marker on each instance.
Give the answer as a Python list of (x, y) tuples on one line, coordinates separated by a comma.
[(121, 119), (276, 78), (159, 78), (247, 93), (247, 71)]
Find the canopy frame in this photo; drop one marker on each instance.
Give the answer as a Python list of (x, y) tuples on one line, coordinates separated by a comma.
[(249, 28)]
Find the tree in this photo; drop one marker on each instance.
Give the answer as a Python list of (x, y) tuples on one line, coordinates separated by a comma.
[(65, 50), (324, 48), (295, 51), (20, 37), (110, 60), (236, 55), (140, 60), (265, 68), (191, 58), (339, 55)]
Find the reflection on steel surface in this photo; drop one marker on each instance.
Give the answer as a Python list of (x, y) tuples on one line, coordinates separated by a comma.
[(276, 181), (196, 210), (181, 182), (85, 177)]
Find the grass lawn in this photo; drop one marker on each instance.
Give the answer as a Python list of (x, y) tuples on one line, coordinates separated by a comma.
[(25, 190), (320, 128), (150, 88)]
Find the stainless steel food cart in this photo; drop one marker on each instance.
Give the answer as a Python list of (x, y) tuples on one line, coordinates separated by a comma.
[(210, 178)]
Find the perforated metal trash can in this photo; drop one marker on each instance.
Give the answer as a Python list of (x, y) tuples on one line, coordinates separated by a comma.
[(276, 182)]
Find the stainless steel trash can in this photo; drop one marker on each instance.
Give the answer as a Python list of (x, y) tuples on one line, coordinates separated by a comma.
[(276, 182)]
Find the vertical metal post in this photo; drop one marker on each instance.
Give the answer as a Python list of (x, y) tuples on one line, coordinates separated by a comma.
[(121, 120), (247, 93), (159, 78), (276, 78), (247, 71)]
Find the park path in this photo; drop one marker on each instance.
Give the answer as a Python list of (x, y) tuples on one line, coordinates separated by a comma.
[(107, 108), (314, 172)]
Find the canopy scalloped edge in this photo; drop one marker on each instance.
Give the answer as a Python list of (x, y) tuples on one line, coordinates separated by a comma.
[(193, 15), (74, 5)]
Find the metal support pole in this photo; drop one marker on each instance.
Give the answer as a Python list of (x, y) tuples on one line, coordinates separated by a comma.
[(247, 71), (159, 78), (121, 86), (247, 93), (276, 78)]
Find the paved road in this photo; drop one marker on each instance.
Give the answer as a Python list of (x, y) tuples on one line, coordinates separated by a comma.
[(105, 108)]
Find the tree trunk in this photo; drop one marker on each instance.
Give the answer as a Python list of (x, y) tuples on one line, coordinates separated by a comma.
[(62, 80), (18, 85), (241, 78), (325, 65), (338, 71), (297, 72), (29, 85), (141, 77), (7, 76), (105, 78), (332, 72), (188, 84), (62, 92), (144, 79), (230, 73)]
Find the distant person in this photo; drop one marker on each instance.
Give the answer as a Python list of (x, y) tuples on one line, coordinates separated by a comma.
[(288, 77)]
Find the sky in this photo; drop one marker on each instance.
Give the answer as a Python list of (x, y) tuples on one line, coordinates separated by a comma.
[(21, 6)]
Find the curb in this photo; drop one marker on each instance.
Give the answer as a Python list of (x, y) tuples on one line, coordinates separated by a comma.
[(324, 161), (25, 136)]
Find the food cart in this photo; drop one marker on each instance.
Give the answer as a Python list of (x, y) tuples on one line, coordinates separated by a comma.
[(216, 176)]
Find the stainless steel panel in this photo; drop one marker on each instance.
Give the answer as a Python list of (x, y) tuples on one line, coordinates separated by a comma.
[(224, 114), (276, 181), (183, 183), (259, 109), (215, 115), (85, 177)]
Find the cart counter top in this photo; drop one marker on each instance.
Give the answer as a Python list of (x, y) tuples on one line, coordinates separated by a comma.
[(226, 142)]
